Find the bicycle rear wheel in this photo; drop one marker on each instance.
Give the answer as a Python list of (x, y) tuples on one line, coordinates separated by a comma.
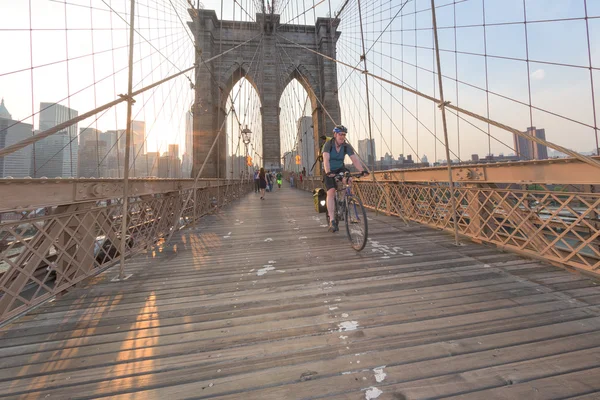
[(356, 223)]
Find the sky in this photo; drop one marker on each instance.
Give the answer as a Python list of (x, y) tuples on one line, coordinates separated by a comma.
[(86, 81)]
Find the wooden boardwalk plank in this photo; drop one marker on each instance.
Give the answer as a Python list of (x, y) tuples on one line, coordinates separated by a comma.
[(260, 301)]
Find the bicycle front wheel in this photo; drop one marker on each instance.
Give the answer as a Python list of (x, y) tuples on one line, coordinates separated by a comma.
[(356, 223)]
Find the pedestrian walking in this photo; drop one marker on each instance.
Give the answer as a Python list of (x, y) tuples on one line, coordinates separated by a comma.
[(256, 182), (262, 177)]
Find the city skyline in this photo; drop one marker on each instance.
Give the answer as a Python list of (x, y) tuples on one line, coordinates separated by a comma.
[(87, 153)]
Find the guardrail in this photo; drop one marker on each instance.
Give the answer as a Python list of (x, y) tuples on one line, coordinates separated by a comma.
[(49, 246)]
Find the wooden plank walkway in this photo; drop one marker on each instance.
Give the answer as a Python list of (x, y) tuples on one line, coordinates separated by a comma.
[(260, 302)]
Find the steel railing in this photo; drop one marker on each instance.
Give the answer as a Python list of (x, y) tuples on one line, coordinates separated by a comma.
[(46, 250), (542, 221)]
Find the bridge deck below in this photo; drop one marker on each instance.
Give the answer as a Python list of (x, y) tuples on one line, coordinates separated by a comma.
[(260, 302)]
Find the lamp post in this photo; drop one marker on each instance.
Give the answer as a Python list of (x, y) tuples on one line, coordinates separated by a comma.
[(246, 136)]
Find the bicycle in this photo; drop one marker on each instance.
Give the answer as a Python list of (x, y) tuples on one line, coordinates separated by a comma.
[(349, 208)]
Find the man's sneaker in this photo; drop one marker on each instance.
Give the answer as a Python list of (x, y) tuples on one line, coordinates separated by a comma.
[(333, 226)]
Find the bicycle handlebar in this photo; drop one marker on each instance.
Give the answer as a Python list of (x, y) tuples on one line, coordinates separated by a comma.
[(347, 174)]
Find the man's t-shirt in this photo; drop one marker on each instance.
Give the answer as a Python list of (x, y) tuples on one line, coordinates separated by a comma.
[(279, 176), (336, 159)]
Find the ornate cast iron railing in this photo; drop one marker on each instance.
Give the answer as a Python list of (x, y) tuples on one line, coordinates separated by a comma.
[(552, 213), (49, 246)]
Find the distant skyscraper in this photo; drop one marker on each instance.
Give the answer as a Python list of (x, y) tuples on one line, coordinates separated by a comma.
[(152, 162), (137, 167), (305, 144), (424, 159), (138, 138), (17, 164), (57, 155), (540, 152), (528, 150), (169, 165), (114, 154), (366, 151), (92, 161)]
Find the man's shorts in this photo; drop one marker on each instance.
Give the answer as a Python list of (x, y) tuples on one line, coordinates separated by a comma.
[(330, 182)]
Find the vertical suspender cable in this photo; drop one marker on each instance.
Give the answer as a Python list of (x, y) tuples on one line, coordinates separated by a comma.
[(457, 93), (587, 28), (442, 107), (32, 92), (364, 59), (127, 145), (529, 143)]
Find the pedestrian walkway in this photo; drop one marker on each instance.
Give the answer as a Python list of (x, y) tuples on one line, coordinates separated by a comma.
[(259, 301)]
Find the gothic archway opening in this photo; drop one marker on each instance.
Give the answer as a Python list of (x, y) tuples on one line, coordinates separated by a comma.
[(243, 127), (297, 128)]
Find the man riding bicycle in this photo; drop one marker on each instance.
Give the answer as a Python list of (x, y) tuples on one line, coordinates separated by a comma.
[(334, 152)]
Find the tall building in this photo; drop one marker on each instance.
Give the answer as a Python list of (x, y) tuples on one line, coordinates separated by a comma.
[(305, 144), (528, 150), (540, 152), (56, 155), (92, 151), (138, 137), (137, 167), (17, 164), (169, 165), (152, 162), (366, 151), (114, 154)]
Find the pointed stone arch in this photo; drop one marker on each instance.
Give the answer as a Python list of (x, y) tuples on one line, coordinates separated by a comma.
[(232, 75), (306, 79), (318, 76)]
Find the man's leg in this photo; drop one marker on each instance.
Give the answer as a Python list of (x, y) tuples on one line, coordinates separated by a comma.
[(331, 210)]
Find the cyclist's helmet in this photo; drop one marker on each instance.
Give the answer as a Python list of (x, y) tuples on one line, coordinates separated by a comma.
[(340, 129)]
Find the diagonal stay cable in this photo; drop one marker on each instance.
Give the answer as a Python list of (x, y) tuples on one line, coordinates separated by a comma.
[(580, 157), (42, 135)]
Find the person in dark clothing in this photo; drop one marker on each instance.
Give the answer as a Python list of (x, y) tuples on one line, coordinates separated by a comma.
[(262, 177), (256, 182)]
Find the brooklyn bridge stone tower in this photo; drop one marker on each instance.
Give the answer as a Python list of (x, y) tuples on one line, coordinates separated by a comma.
[(281, 61)]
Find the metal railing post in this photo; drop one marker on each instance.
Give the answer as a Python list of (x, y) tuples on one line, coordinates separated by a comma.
[(442, 107), (130, 101)]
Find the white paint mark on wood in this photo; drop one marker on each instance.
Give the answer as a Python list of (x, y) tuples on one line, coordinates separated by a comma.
[(343, 337), (332, 308), (226, 237), (344, 315), (268, 240), (348, 326), (272, 262), (379, 374), (264, 270), (302, 237), (372, 393)]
